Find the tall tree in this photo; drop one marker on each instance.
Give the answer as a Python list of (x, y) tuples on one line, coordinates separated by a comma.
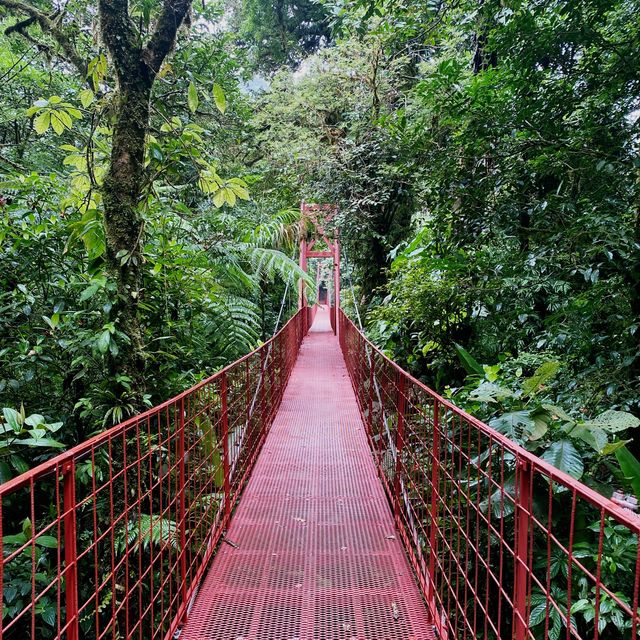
[(137, 56)]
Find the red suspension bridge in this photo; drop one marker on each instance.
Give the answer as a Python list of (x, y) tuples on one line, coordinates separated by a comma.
[(310, 490)]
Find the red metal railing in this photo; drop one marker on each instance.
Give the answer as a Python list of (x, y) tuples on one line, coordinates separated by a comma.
[(311, 315), (503, 544), (111, 538)]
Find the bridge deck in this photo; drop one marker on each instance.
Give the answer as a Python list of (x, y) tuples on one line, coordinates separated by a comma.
[(317, 556)]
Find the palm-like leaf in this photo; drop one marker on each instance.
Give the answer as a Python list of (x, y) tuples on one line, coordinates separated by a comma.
[(232, 325), (281, 231), (270, 264)]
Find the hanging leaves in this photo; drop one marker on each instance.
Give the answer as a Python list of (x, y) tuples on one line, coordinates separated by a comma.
[(192, 98), (53, 113), (219, 97)]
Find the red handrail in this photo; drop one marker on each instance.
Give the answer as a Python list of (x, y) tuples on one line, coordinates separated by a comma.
[(503, 544), (110, 539), (311, 315)]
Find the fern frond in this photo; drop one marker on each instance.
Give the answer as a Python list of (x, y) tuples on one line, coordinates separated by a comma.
[(281, 230), (232, 325), (271, 263), (147, 530)]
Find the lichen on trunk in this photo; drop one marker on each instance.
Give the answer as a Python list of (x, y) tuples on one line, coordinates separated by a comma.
[(123, 223)]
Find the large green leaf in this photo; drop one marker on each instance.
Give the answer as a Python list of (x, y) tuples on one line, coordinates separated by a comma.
[(86, 97), (470, 364), (47, 541), (594, 436), (192, 98), (219, 98), (12, 418), (103, 341), (542, 375), (489, 392), (42, 122), (630, 466), (540, 426), (614, 421), (516, 425), (564, 456), (558, 413)]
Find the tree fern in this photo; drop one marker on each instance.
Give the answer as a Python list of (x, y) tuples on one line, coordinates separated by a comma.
[(232, 325), (270, 264), (282, 231)]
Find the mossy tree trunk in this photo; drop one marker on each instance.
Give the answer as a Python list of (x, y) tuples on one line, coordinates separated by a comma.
[(136, 70), (136, 64)]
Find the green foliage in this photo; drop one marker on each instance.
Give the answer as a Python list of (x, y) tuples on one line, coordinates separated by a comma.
[(25, 440), (203, 300), (282, 32), (519, 408), (146, 531), (484, 158), (630, 468), (619, 549), (17, 577), (53, 113)]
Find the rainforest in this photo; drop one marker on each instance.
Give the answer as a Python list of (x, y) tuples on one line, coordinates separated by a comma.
[(482, 158)]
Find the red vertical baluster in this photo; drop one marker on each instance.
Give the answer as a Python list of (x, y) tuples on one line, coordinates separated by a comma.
[(371, 382), (182, 503), (263, 416), (435, 489), (225, 448), (247, 407), (400, 407), (70, 548), (521, 551)]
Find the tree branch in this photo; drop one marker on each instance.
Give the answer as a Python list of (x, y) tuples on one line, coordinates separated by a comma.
[(48, 26), (19, 27), (120, 37), (163, 38)]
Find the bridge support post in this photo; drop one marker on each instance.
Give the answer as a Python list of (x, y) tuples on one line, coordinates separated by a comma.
[(433, 516), (263, 403), (336, 284), (372, 367), (182, 519), (302, 298), (70, 549), (523, 508), (397, 483), (226, 468)]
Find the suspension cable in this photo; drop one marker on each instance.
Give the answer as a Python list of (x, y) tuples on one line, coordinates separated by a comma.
[(284, 301), (353, 295), (260, 381), (392, 446)]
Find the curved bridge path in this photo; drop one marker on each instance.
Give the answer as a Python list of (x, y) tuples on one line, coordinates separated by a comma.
[(317, 556)]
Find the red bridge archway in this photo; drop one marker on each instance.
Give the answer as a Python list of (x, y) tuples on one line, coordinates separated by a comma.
[(319, 215)]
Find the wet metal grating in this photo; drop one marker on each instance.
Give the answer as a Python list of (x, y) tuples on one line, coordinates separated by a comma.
[(317, 557)]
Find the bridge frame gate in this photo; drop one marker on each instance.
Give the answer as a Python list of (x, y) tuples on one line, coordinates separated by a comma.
[(319, 215)]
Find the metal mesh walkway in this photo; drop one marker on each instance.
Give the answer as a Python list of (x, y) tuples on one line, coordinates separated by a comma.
[(317, 556)]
